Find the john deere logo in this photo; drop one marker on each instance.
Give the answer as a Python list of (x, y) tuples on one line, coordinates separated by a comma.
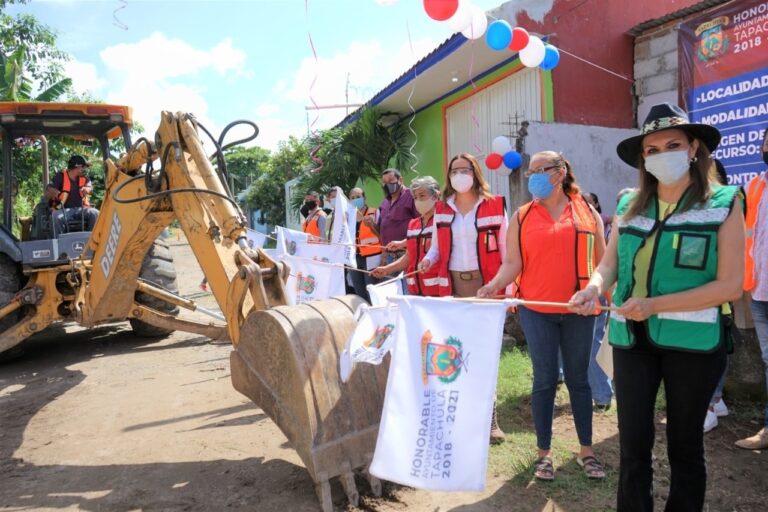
[(78, 247), (712, 39), (442, 360), (380, 335), (305, 284)]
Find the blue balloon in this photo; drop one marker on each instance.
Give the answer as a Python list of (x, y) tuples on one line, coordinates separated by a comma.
[(499, 35), (551, 58), (512, 160)]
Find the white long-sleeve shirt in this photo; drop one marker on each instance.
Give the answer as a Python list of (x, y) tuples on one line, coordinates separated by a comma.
[(464, 239)]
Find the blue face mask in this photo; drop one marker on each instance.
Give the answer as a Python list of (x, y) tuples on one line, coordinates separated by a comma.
[(358, 202), (539, 185)]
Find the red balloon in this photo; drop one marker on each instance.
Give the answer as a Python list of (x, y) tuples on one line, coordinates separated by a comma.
[(493, 161), (519, 39), (441, 10)]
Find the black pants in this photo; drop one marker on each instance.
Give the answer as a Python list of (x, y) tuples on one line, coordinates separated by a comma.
[(689, 381)]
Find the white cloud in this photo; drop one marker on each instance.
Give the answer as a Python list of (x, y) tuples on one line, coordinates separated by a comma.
[(84, 77), (267, 109), (369, 65)]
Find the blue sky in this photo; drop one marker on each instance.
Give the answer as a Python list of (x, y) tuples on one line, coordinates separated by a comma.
[(226, 60)]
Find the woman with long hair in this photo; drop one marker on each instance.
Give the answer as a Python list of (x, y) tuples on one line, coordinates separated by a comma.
[(677, 258), (469, 237)]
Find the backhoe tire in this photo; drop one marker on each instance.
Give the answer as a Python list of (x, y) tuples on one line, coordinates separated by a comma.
[(157, 268), (10, 284)]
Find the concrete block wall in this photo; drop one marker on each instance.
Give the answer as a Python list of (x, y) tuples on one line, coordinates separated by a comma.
[(656, 65)]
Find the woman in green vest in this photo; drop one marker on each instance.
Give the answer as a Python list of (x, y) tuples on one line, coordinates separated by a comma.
[(678, 256)]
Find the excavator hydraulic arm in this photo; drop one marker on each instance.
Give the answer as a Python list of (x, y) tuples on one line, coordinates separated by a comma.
[(285, 358)]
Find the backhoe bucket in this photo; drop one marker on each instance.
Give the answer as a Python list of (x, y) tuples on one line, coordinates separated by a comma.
[(287, 362)]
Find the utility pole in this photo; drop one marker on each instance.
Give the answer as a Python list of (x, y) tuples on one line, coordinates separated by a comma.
[(346, 95)]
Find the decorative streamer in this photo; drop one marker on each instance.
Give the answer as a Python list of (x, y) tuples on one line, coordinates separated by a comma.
[(313, 132), (596, 65), (117, 22), (414, 158), (475, 122)]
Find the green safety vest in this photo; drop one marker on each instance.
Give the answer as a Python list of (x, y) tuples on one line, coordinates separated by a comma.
[(684, 256)]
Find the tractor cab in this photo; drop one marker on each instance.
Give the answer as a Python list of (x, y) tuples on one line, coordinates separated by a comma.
[(45, 240)]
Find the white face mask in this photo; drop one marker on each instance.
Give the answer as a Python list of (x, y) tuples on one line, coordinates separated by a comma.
[(462, 182), (424, 205), (668, 167)]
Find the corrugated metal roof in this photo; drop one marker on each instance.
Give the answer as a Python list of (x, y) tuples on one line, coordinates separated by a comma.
[(681, 13)]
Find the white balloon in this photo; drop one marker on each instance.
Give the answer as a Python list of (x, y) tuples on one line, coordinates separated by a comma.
[(533, 53), (501, 145), (461, 18), (476, 28), (504, 171)]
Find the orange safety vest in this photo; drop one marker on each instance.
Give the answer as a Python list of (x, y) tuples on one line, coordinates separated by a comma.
[(419, 240), (310, 225), (367, 237), (66, 187), (585, 250), (488, 222), (755, 191)]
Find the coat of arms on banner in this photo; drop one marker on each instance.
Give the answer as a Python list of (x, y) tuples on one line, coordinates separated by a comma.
[(371, 340), (442, 360), (712, 39)]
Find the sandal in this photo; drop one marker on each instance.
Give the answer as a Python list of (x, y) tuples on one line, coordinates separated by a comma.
[(543, 469), (593, 468)]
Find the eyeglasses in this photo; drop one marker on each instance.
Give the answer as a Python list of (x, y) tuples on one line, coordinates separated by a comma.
[(461, 170), (542, 170)]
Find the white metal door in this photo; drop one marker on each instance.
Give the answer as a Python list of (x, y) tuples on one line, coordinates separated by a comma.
[(474, 122)]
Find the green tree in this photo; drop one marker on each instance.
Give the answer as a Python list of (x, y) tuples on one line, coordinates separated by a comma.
[(16, 86), (245, 165), (267, 193), (359, 151)]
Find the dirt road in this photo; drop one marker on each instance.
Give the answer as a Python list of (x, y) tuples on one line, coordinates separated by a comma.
[(102, 421)]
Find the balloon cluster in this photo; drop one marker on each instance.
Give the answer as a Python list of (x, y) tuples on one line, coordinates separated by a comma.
[(533, 51), (502, 152), (469, 19), (460, 16)]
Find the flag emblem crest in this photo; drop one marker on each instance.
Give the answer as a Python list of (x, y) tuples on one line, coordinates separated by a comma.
[(380, 335), (305, 284), (442, 360)]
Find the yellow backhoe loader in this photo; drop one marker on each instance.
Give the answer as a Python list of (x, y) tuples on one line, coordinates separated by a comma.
[(285, 358)]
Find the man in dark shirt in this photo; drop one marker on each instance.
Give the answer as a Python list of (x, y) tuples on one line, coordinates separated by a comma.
[(396, 211), (67, 194)]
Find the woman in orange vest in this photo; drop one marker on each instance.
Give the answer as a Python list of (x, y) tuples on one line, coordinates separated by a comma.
[(554, 243), (469, 228), (426, 192)]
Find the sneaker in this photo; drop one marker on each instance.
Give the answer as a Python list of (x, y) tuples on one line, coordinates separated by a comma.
[(720, 408), (758, 441), (710, 421), (598, 407)]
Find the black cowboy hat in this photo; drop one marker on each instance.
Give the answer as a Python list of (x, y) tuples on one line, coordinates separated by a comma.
[(665, 116)]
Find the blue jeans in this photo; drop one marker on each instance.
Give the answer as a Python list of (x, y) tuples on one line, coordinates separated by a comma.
[(572, 335), (390, 257), (602, 392), (760, 317)]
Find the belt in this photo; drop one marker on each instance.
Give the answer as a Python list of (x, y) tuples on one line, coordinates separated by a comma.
[(467, 276)]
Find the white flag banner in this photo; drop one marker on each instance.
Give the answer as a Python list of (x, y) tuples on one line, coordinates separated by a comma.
[(289, 241), (379, 293), (371, 340), (340, 232), (437, 410), (255, 239), (296, 243), (312, 280)]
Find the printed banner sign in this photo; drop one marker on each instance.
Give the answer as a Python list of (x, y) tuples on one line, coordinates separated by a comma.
[(296, 243), (371, 340), (437, 411), (311, 280), (724, 81)]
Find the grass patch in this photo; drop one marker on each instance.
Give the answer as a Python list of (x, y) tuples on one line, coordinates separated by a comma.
[(513, 460)]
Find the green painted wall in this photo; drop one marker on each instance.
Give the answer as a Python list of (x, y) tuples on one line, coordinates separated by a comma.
[(428, 125)]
